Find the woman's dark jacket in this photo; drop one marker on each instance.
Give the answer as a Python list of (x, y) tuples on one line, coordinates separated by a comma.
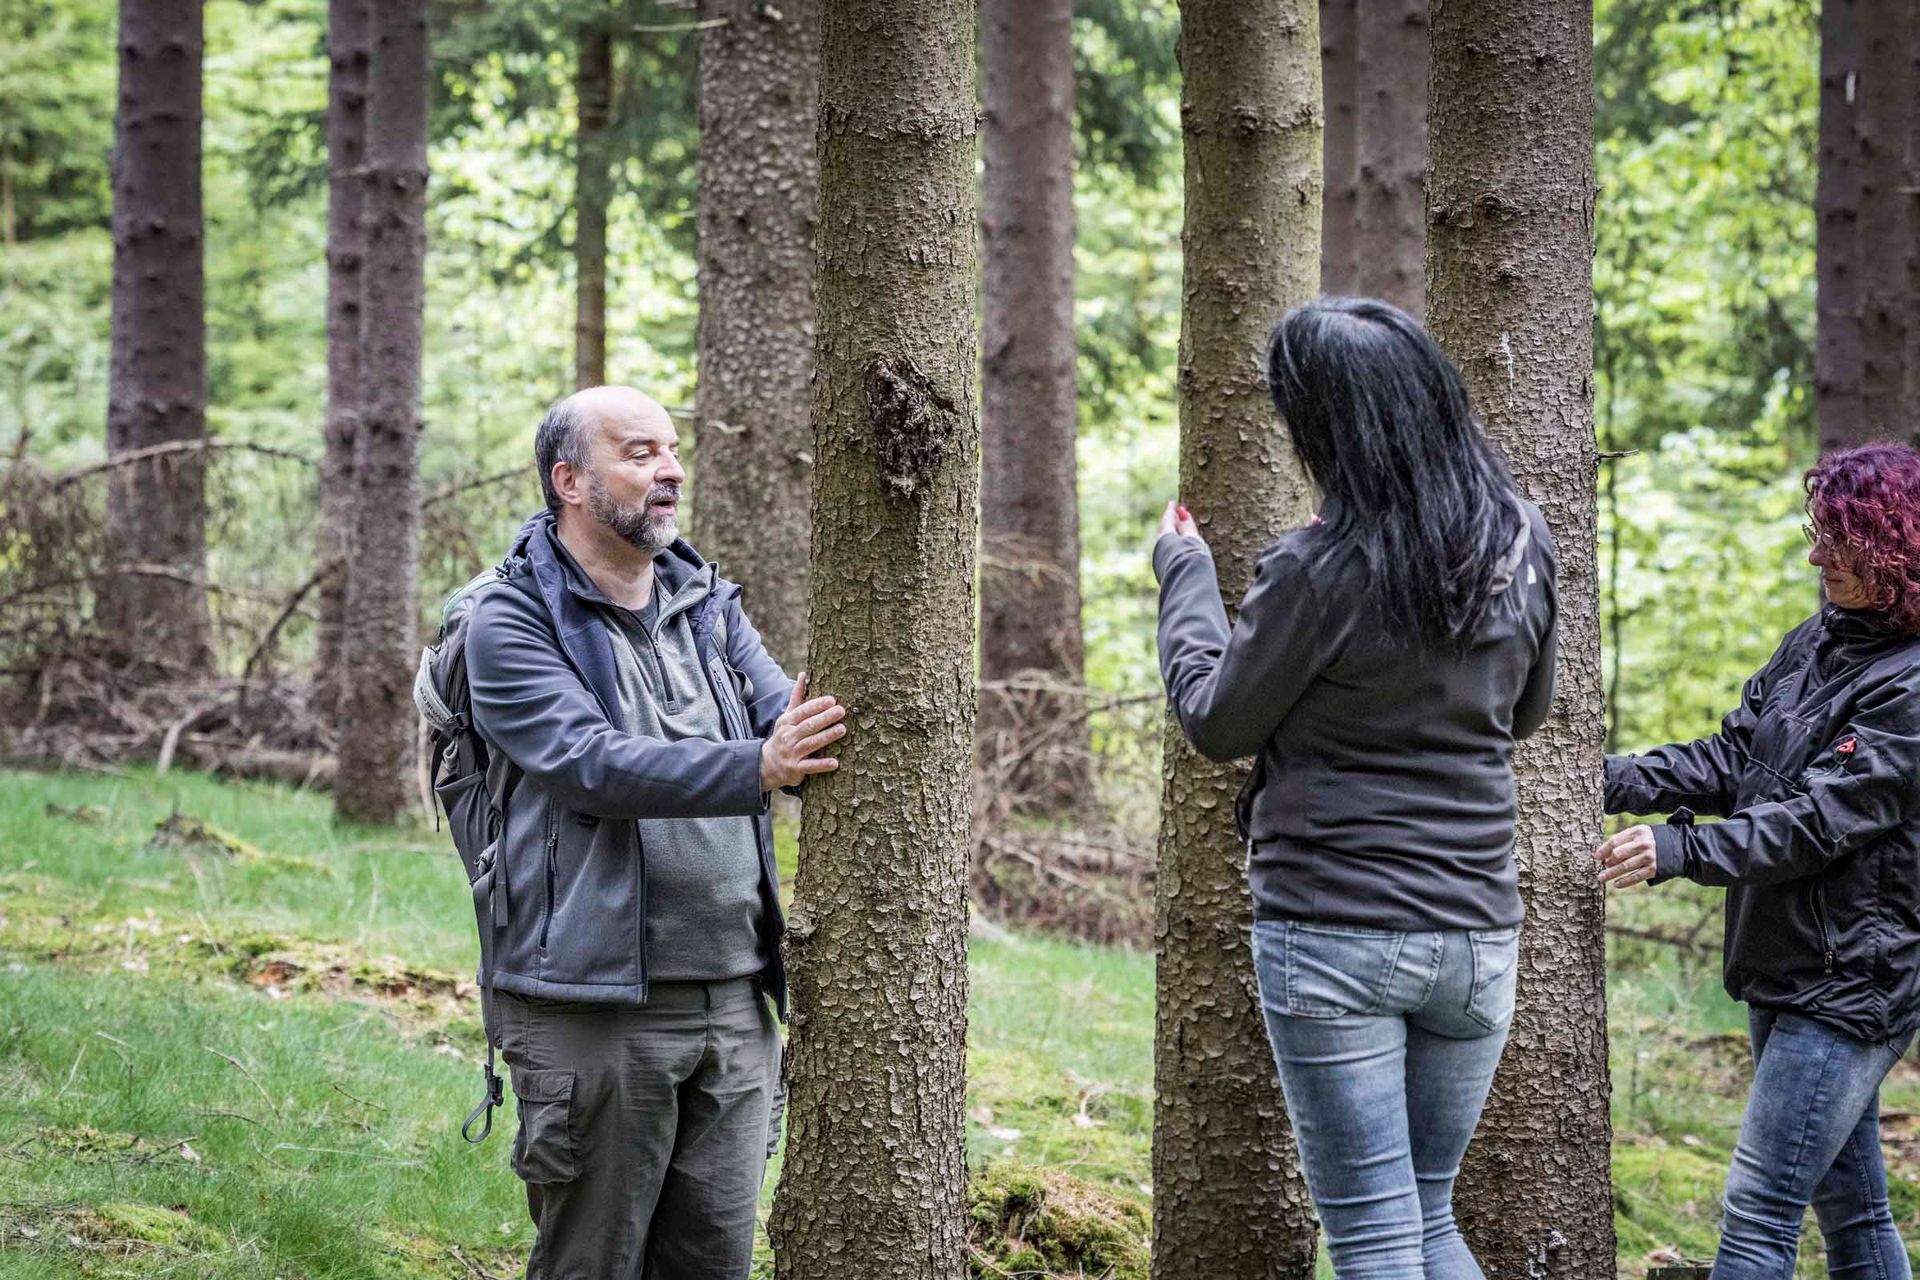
[(1816, 772), (1382, 787)]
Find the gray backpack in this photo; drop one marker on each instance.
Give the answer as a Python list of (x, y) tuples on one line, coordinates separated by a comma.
[(473, 784)]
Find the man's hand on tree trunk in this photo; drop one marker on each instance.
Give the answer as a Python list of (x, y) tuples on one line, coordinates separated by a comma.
[(806, 726)]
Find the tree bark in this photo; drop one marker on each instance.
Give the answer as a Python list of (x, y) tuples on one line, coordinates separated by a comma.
[(382, 637), (1029, 505), (156, 511), (874, 1183), (1509, 295), (1837, 342), (593, 188), (1391, 214), (759, 194), (1339, 74), (875, 1176), (349, 52), (1227, 1199), (1910, 188), (1890, 313)]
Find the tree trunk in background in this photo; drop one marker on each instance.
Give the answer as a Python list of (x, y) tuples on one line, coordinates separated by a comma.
[(593, 188), (875, 1176), (382, 637), (1029, 505), (759, 192), (1391, 219), (1535, 1195), (1910, 413), (1339, 74), (349, 50), (154, 611), (1890, 313), (1838, 353), (1227, 1199)]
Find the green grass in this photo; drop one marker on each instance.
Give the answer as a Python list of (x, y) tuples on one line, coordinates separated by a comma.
[(246, 1051)]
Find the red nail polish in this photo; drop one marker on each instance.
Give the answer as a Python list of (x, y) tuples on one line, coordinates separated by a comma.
[(1185, 514)]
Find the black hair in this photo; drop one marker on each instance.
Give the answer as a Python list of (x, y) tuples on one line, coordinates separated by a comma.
[(1381, 419), (561, 438)]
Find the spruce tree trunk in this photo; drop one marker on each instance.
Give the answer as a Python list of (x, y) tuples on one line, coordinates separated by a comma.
[(1910, 412), (348, 53), (1340, 85), (1228, 1202), (382, 636), (1839, 343), (1391, 219), (759, 193), (593, 188), (1510, 296), (1887, 226), (1029, 505), (875, 1177), (152, 606)]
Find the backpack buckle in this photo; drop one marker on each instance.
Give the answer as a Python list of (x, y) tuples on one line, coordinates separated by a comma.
[(496, 1097)]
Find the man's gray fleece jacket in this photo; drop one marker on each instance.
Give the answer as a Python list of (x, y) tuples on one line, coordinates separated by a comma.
[(572, 867)]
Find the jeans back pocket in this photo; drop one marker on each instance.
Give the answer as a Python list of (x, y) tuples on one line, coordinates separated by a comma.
[(1496, 963), (1331, 970)]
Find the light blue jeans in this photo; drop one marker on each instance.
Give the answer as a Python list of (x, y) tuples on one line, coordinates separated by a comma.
[(1386, 1044), (1811, 1135)]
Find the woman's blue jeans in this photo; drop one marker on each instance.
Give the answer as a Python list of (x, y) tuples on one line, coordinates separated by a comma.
[(1386, 1044), (1811, 1135)]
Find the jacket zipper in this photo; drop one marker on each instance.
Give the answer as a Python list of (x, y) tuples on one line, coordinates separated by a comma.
[(1820, 922), (553, 839), (735, 715)]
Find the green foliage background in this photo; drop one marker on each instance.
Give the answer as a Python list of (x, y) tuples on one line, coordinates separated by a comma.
[(1706, 114)]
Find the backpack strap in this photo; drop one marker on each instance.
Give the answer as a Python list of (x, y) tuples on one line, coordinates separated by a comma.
[(495, 1095)]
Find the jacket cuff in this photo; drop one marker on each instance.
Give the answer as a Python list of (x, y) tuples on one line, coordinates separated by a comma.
[(1670, 851), (743, 777), (1170, 547), (1621, 789)]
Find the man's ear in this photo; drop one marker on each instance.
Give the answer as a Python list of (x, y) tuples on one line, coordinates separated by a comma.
[(569, 483)]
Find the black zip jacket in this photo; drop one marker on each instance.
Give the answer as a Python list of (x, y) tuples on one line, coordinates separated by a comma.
[(1382, 786), (1816, 773)]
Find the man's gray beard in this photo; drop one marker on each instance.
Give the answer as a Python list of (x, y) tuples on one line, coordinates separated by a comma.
[(633, 525)]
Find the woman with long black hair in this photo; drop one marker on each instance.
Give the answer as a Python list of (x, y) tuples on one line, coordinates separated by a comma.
[(1380, 669)]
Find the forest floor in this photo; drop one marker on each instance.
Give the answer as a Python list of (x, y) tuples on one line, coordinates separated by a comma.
[(237, 1041)]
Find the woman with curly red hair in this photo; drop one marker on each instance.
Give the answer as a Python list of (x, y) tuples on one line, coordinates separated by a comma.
[(1817, 775)]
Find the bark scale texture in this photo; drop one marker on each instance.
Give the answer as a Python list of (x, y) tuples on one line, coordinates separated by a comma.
[(592, 188), (1029, 504), (1339, 77), (1228, 1201), (382, 637), (153, 607), (759, 194), (1838, 354), (349, 51), (875, 1176), (1374, 70), (1887, 227), (1868, 256), (1391, 219), (1509, 295), (1910, 414)]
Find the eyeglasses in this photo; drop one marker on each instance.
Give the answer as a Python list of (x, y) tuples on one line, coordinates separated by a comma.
[(1815, 538)]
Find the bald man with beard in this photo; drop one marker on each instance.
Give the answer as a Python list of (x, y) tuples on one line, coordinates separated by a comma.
[(636, 977)]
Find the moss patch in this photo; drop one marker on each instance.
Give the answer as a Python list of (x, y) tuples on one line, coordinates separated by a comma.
[(1041, 1223), (128, 1222)]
